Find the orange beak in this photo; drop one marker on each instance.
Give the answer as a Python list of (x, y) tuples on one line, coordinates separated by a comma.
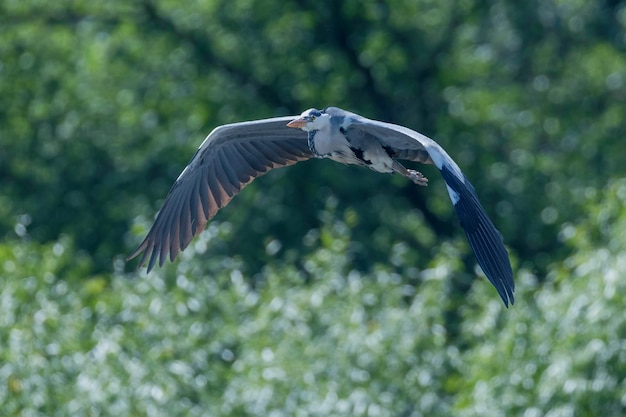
[(298, 123)]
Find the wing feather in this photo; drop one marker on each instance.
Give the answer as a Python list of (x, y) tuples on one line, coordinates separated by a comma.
[(206, 196), (184, 224), (266, 150), (197, 206), (250, 154), (241, 167), (216, 190), (226, 175)]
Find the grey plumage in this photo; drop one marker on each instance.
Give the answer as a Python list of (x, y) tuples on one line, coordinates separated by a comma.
[(233, 155), (228, 160)]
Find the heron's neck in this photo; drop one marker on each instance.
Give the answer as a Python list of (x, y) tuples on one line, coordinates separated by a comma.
[(311, 141)]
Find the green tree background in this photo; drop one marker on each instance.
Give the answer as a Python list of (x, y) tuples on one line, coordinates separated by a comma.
[(322, 289)]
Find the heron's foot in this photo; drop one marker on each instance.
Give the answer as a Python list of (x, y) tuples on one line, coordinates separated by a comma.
[(417, 177)]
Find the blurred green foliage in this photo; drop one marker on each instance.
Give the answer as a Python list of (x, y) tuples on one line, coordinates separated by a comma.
[(322, 289)]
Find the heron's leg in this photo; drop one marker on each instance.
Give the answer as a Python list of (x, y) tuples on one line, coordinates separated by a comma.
[(415, 176)]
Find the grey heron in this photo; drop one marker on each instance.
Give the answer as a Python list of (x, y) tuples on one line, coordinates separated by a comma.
[(233, 155)]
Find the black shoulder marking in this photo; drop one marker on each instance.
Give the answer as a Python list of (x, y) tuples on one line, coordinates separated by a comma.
[(390, 151), (359, 155)]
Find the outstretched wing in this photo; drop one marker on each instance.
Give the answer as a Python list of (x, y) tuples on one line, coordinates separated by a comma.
[(229, 159), (484, 238)]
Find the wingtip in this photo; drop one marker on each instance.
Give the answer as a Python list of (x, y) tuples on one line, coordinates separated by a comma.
[(141, 248), (504, 284), (133, 255), (509, 299), (496, 273)]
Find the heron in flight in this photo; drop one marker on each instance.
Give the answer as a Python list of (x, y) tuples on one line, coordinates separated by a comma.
[(235, 154)]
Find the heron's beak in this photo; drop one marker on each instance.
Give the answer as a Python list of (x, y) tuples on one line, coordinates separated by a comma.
[(298, 123)]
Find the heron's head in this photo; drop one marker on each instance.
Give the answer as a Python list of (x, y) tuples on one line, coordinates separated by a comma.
[(311, 120)]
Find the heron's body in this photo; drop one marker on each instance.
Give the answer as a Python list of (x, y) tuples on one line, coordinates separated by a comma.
[(358, 149), (233, 155)]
